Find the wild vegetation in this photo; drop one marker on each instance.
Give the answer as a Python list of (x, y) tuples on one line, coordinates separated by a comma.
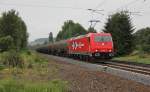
[(71, 29), (141, 53), (142, 40), (120, 26), (135, 57), (23, 86), (129, 45), (31, 75), (22, 70), (13, 31)]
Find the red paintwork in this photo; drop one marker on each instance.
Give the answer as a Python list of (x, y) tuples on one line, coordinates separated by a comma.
[(82, 45)]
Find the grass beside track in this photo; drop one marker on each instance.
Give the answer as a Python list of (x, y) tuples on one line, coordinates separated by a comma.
[(37, 75), (23, 86), (145, 59)]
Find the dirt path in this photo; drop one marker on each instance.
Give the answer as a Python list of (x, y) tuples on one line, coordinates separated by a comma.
[(85, 80)]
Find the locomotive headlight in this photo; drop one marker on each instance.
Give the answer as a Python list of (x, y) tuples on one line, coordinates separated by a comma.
[(96, 50), (110, 50)]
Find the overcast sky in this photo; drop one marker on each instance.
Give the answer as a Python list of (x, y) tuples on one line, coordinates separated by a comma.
[(44, 16)]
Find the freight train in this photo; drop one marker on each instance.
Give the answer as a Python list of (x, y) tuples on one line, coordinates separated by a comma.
[(91, 45)]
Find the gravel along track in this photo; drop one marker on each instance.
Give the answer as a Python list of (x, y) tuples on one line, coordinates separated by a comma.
[(111, 69), (128, 67), (131, 63)]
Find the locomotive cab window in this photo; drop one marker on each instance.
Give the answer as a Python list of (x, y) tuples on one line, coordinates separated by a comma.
[(102, 38)]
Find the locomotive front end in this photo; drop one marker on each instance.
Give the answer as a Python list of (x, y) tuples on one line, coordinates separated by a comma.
[(102, 45)]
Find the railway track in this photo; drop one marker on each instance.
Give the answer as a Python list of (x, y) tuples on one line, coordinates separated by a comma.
[(123, 65), (129, 67), (136, 72)]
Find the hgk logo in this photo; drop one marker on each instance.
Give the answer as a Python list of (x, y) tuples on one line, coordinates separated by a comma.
[(76, 45)]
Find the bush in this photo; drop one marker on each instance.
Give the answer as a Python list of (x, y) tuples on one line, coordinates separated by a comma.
[(145, 48), (33, 59), (1, 67), (6, 43), (142, 40), (12, 59)]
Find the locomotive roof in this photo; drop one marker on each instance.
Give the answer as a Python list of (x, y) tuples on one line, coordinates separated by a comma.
[(89, 34), (86, 35)]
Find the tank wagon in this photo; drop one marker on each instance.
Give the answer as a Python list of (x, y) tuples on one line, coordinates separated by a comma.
[(91, 45)]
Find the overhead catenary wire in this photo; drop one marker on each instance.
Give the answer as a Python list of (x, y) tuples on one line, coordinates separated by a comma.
[(131, 3), (127, 4), (125, 8), (49, 6), (100, 4), (93, 23), (41, 6), (95, 10)]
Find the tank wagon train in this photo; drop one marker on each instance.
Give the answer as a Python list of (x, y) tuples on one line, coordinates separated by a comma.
[(91, 45)]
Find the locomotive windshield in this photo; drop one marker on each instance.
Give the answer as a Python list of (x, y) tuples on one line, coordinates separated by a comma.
[(102, 39)]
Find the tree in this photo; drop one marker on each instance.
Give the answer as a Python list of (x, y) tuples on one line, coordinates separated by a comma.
[(6, 43), (120, 26), (91, 30), (59, 36), (51, 40), (70, 29), (24, 35), (13, 26), (142, 39)]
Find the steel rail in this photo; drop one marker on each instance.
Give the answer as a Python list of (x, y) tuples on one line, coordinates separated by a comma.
[(128, 67)]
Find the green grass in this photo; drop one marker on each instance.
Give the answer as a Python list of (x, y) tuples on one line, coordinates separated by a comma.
[(32, 59), (25, 58), (23, 86), (145, 59), (35, 76)]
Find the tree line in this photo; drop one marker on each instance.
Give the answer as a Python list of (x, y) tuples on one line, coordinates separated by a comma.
[(72, 29), (125, 39), (13, 31)]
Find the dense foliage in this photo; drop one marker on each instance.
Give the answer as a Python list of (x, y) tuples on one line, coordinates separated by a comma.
[(120, 26), (70, 29), (12, 59), (6, 43), (142, 40), (13, 31)]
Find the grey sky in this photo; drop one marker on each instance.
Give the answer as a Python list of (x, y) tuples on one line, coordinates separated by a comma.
[(44, 16)]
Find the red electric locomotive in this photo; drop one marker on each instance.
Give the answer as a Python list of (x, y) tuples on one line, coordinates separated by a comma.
[(95, 45), (92, 45)]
